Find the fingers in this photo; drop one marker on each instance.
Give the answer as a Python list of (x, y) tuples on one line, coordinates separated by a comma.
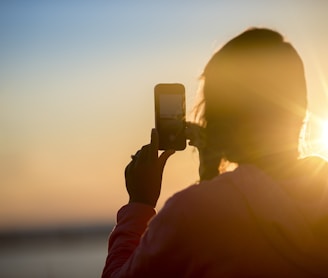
[(149, 153), (154, 145), (144, 155), (134, 156), (154, 142)]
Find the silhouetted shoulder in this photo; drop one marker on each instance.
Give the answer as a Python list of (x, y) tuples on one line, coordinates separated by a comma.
[(250, 217)]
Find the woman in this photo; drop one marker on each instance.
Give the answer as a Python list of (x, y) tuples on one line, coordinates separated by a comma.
[(267, 218)]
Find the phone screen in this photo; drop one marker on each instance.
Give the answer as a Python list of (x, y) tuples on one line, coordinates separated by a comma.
[(171, 107), (170, 116)]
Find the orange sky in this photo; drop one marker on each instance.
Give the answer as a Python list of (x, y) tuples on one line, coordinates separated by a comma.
[(76, 93)]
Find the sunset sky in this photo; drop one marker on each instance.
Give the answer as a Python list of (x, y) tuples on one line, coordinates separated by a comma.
[(76, 92)]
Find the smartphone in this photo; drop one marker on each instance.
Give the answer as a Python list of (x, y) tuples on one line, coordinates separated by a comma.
[(170, 116)]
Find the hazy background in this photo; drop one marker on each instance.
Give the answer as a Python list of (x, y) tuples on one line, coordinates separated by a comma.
[(76, 92), (76, 100)]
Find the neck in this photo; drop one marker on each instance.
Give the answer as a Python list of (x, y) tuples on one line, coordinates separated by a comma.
[(278, 165)]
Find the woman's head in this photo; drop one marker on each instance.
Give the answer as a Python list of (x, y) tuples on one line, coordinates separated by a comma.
[(254, 97)]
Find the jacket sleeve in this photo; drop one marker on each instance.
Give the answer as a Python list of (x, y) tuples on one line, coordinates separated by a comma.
[(132, 220), (136, 249)]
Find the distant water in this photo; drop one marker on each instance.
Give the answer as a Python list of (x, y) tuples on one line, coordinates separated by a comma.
[(58, 254)]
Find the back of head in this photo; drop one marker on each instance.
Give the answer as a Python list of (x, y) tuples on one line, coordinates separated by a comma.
[(254, 97)]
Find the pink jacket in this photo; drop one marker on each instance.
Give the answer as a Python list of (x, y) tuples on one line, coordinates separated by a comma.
[(240, 224)]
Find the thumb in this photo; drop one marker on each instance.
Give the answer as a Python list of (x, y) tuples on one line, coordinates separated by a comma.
[(163, 158)]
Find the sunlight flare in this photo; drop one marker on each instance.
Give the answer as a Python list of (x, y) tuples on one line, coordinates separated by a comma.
[(324, 135)]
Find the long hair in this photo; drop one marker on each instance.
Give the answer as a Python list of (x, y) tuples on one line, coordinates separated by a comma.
[(254, 97)]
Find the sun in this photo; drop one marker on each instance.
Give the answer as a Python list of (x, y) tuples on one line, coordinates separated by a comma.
[(316, 138)]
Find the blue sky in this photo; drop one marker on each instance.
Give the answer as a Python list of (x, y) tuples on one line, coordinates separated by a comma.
[(76, 91)]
